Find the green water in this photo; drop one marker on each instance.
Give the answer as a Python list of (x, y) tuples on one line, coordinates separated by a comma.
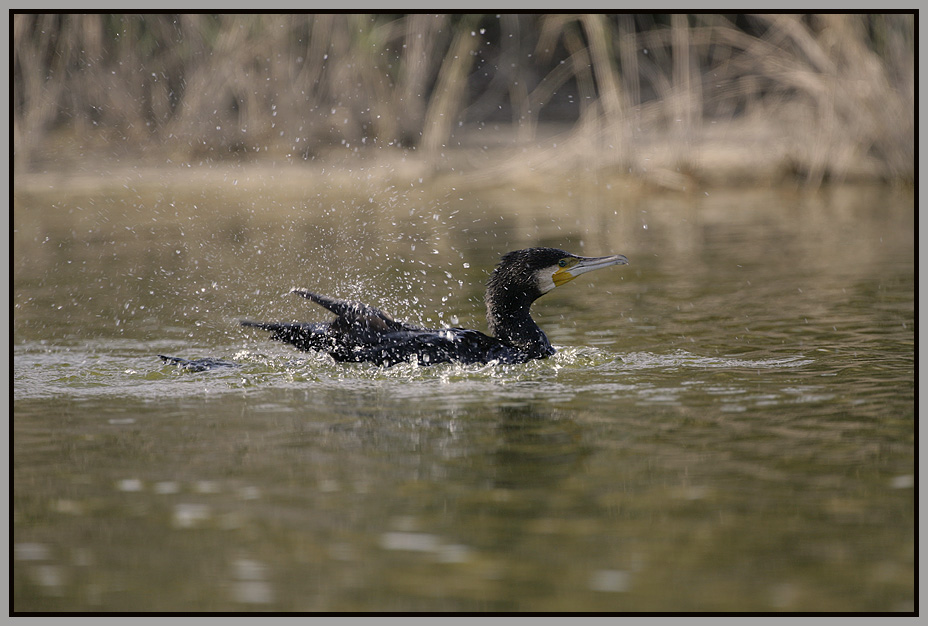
[(728, 423)]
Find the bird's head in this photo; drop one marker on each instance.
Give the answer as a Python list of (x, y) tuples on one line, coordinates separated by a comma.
[(524, 275)]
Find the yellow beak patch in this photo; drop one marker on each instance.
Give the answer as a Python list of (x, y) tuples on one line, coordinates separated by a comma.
[(562, 276)]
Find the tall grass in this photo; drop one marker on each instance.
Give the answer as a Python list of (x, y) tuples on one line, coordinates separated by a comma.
[(829, 94)]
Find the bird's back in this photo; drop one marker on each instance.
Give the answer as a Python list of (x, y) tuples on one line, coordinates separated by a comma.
[(361, 333)]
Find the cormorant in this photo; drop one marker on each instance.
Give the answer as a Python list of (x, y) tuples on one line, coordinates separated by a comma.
[(362, 333)]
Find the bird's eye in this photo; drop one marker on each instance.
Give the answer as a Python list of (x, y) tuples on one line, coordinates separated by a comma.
[(562, 262)]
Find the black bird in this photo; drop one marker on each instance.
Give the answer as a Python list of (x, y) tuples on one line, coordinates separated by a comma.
[(362, 333)]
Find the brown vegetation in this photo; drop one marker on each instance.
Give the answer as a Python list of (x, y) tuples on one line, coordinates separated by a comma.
[(669, 98)]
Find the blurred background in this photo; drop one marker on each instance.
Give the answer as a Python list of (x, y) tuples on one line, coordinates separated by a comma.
[(674, 100)]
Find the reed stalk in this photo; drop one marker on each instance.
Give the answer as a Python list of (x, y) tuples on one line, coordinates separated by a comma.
[(827, 97)]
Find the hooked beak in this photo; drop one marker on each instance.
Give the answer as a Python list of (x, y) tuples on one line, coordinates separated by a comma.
[(584, 265)]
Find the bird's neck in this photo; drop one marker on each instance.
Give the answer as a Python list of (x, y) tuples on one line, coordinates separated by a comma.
[(513, 323)]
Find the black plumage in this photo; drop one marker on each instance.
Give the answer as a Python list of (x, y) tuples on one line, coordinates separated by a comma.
[(361, 333)]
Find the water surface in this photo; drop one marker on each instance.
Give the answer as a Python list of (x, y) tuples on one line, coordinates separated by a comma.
[(728, 423)]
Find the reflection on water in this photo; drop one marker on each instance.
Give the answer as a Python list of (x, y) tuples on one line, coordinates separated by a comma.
[(728, 423), (538, 448)]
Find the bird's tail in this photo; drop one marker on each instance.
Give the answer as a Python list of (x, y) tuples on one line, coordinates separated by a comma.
[(302, 335)]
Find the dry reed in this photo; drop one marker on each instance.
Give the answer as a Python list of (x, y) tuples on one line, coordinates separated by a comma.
[(819, 97)]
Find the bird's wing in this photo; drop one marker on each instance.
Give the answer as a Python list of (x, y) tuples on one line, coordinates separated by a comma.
[(354, 314)]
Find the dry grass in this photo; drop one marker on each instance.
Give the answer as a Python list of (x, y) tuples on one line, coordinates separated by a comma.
[(683, 100)]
